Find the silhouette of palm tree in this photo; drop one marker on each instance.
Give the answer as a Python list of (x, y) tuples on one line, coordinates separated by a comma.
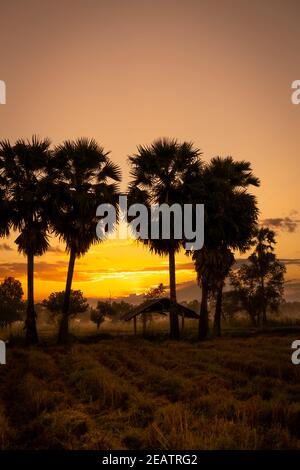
[(230, 220), (24, 167), (83, 177), (164, 173), (212, 266), (264, 261)]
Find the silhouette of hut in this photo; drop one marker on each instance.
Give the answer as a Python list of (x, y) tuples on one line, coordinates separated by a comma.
[(160, 306)]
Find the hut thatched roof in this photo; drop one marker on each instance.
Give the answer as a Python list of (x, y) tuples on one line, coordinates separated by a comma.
[(161, 306)]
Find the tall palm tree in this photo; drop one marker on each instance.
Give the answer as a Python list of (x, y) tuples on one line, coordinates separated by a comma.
[(230, 220), (83, 177), (164, 173), (212, 266), (24, 167)]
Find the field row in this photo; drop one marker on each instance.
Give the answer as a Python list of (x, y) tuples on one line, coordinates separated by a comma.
[(117, 393)]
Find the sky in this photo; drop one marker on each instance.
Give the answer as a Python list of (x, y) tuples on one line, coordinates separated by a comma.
[(215, 72)]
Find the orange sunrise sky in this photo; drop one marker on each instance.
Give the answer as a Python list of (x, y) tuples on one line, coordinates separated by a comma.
[(218, 73)]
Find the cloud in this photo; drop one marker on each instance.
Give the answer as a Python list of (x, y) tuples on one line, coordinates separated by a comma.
[(57, 271), (291, 261), (43, 270), (179, 267), (286, 261), (13, 269), (286, 224), (55, 249), (5, 247)]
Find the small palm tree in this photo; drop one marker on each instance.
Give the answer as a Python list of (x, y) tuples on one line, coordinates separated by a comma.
[(264, 263), (259, 284), (83, 177), (24, 167), (164, 172), (230, 220)]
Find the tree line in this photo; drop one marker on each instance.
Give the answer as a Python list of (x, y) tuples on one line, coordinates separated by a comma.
[(45, 190)]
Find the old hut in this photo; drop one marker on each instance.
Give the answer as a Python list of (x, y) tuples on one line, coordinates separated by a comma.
[(160, 306)]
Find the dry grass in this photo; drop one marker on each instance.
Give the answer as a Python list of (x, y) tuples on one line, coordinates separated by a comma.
[(131, 393)]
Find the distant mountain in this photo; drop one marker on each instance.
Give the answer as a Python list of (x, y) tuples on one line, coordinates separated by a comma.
[(189, 290)]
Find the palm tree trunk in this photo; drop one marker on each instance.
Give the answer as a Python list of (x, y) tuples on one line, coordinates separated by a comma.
[(258, 318), (64, 324), (174, 323), (218, 312), (30, 323), (263, 309), (264, 312), (203, 320)]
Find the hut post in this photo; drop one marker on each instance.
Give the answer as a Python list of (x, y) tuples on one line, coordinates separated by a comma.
[(134, 325), (144, 323), (182, 322)]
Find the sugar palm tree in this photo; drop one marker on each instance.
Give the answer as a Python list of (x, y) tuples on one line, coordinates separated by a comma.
[(83, 177), (212, 266), (24, 168), (164, 173), (230, 220)]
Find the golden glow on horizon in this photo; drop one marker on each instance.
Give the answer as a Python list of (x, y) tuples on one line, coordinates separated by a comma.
[(114, 268)]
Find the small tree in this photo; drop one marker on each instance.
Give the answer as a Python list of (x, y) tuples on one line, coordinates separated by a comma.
[(260, 283), (231, 305), (155, 292), (12, 306), (97, 316), (106, 308), (246, 289), (103, 309), (55, 302)]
